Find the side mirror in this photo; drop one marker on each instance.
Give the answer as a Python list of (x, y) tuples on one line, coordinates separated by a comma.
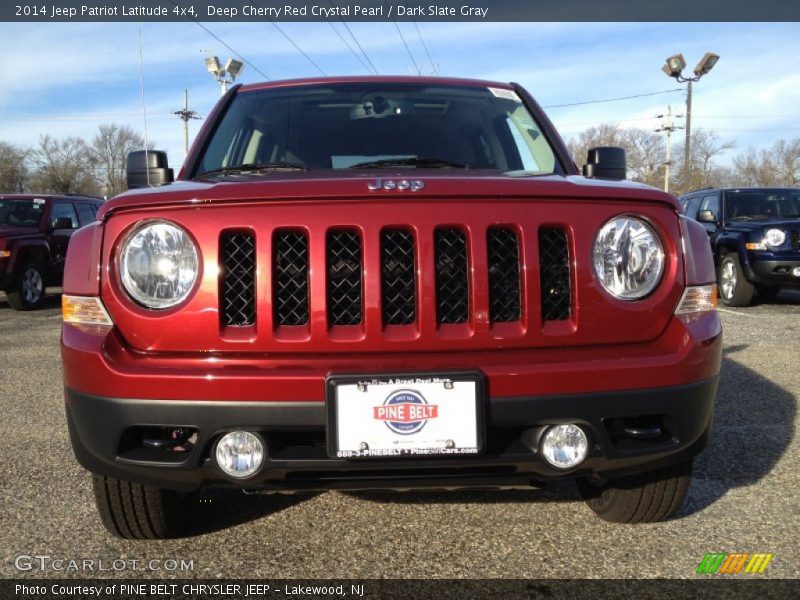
[(148, 168), (706, 216), (605, 162), (62, 223)]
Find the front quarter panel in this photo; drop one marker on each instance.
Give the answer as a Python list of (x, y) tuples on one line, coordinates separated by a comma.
[(82, 267)]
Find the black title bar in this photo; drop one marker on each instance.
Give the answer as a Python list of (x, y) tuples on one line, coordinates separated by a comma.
[(386, 10)]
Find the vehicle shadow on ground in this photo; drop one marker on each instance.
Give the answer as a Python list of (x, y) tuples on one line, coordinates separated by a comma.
[(752, 429), (218, 510), (51, 300)]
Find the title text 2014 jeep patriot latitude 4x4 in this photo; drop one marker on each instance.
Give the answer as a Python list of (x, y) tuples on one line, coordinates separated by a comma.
[(387, 283)]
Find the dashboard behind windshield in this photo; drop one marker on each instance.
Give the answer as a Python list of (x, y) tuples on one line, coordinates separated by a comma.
[(21, 213), (325, 127), (759, 205)]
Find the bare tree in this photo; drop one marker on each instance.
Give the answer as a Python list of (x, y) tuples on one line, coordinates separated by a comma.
[(645, 151), (109, 150), (778, 166), (703, 171), (13, 168), (63, 166)]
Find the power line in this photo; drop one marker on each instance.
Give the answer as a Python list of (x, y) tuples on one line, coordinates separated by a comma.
[(425, 46), (403, 39), (221, 41), (614, 99), (298, 48), (355, 39), (349, 47)]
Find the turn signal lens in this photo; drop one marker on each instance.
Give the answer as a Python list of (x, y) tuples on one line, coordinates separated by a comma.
[(5, 253), (86, 310), (697, 299)]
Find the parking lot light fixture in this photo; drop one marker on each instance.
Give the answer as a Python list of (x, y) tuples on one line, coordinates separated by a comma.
[(673, 67), (224, 75)]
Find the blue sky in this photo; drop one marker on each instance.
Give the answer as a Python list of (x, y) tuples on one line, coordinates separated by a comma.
[(67, 78)]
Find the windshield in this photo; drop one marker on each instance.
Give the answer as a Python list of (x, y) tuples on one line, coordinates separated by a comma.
[(21, 213), (758, 205), (374, 125)]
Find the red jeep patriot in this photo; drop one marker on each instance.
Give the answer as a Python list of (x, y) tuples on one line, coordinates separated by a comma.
[(388, 283)]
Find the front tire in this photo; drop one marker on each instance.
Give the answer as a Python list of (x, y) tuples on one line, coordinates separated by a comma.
[(734, 289), (133, 511), (29, 287), (643, 498)]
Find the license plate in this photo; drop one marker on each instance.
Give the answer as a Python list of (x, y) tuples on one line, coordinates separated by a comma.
[(405, 415)]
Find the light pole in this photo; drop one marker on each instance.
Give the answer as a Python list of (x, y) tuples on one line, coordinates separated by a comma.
[(224, 75), (674, 67)]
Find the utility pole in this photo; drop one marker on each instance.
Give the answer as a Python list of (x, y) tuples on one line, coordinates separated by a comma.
[(185, 115), (668, 128)]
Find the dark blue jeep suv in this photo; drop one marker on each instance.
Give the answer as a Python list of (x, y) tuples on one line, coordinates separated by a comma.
[(755, 237)]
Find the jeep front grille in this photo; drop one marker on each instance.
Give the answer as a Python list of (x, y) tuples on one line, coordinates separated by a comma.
[(554, 274), (398, 277), (330, 274), (238, 278), (344, 266), (290, 297), (504, 285), (795, 237), (452, 279)]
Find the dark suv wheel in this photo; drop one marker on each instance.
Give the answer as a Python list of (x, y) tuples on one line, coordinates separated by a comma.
[(29, 286), (644, 498), (734, 289), (134, 511)]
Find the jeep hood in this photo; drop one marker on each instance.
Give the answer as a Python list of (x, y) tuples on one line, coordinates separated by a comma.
[(8, 232), (311, 185), (763, 224)]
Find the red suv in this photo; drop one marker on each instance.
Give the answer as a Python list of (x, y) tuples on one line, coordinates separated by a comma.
[(35, 231), (387, 283)]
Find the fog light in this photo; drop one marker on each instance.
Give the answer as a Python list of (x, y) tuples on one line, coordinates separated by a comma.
[(565, 446), (240, 453), (796, 271)]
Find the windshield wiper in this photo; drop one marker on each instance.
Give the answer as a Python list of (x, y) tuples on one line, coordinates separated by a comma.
[(426, 163), (254, 168)]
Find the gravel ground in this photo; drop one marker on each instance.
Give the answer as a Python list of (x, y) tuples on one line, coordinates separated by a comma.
[(744, 497)]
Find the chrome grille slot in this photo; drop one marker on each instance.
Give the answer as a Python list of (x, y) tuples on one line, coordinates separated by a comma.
[(238, 278), (343, 269), (452, 279), (504, 283), (398, 277), (290, 277), (554, 274)]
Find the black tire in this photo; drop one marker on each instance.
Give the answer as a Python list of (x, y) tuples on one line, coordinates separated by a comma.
[(140, 512), (643, 498), (767, 294), (734, 289), (29, 287)]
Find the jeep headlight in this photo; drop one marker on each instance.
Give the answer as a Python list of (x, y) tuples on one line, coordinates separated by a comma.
[(158, 264), (628, 257), (774, 237)]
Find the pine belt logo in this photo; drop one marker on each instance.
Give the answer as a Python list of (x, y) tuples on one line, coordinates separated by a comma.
[(721, 563), (405, 412)]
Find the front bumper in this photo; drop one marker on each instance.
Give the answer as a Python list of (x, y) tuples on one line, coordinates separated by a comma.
[(773, 272), (297, 458), (670, 381)]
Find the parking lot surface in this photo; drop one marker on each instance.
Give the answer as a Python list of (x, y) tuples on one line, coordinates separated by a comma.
[(744, 497)]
